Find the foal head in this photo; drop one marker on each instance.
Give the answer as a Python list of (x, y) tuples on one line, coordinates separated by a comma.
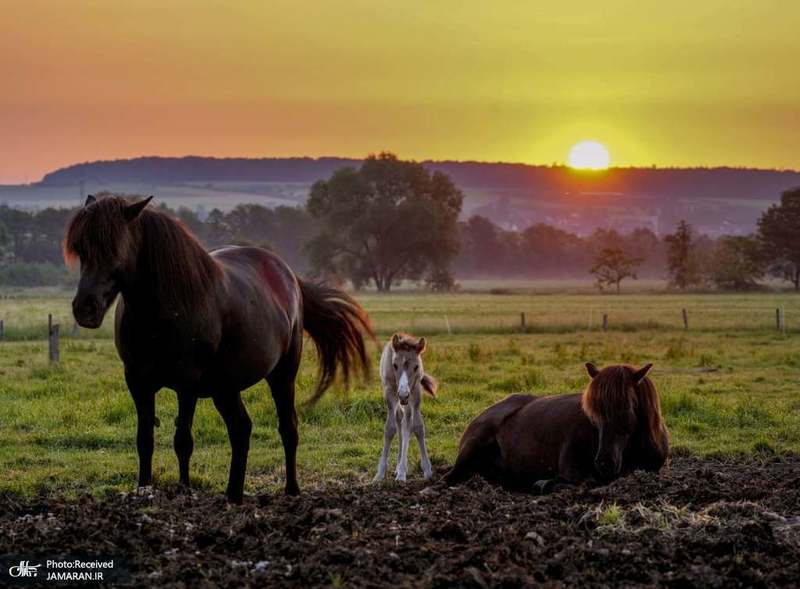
[(621, 402), (407, 364), (100, 235)]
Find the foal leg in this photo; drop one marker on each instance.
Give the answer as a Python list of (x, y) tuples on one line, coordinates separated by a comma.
[(144, 397), (239, 427), (183, 442), (283, 392), (419, 432), (405, 438), (389, 430)]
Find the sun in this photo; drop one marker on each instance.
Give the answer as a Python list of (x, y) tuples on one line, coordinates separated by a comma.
[(589, 155)]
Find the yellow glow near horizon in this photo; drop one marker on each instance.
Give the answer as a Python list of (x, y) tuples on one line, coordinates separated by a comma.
[(680, 83), (589, 155)]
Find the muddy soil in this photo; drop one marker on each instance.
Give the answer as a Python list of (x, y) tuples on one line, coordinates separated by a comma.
[(715, 523)]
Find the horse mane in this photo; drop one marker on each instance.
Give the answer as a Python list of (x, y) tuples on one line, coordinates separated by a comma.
[(405, 342), (170, 262), (612, 397)]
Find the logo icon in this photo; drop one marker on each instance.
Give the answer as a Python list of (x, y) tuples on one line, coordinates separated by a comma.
[(24, 569)]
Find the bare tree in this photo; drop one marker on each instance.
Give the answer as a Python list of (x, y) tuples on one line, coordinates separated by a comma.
[(612, 266)]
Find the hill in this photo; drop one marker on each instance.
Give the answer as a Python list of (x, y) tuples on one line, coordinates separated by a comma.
[(717, 200)]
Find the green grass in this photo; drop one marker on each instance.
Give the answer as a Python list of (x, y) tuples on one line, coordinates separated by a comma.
[(71, 428), (481, 312)]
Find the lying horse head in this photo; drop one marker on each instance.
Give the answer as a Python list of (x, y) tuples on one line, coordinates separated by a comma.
[(623, 404)]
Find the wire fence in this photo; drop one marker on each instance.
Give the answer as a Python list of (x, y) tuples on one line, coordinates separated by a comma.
[(702, 318)]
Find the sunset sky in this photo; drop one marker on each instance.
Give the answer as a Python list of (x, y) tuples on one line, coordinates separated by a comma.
[(684, 82)]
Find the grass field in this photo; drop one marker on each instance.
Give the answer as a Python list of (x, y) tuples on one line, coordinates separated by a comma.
[(71, 428)]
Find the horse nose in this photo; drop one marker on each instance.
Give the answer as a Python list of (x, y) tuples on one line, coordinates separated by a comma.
[(84, 305), (85, 308)]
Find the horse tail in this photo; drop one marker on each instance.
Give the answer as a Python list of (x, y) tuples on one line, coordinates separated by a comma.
[(429, 384), (338, 325)]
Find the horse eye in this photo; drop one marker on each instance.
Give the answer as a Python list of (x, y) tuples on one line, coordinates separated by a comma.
[(395, 366), (416, 368)]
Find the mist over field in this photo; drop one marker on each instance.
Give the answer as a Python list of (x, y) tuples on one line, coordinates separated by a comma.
[(513, 196)]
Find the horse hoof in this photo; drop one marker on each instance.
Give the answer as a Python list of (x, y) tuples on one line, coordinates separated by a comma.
[(145, 491), (377, 479), (427, 474), (543, 487), (401, 477)]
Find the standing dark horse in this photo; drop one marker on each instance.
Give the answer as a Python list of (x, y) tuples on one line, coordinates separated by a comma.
[(206, 325), (535, 443)]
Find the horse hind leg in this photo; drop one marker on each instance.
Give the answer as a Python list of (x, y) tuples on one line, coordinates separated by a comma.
[(404, 425), (419, 432), (282, 384), (473, 458), (239, 428)]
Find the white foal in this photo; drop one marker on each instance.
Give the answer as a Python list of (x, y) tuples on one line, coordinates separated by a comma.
[(403, 380)]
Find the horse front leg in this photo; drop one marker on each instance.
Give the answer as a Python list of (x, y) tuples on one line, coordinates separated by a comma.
[(239, 427), (419, 432), (405, 437), (144, 397), (183, 441), (389, 430)]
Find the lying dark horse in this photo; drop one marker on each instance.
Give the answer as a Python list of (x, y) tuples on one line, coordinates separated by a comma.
[(536, 443), (206, 325)]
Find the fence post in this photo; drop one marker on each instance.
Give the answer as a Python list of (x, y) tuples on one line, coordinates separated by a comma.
[(522, 325), (685, 319), (75, 329), (605, 321), (2, 330), (447, 324), (778, 318), (783, 320), (52, 336)]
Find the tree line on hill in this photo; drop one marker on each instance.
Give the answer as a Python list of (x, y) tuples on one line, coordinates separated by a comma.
[(387, 220), (538, 181)]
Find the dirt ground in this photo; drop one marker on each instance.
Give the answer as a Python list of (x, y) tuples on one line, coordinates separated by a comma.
[(715, 523)]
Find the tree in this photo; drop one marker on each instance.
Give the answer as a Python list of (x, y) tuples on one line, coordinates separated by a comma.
[(736, 263), (612, 266), (779, 232), (683, 265), (3, 242), (550, 250), (387, 221)]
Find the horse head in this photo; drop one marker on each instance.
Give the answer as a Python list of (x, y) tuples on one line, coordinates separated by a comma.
[(407, 364), (622, 403), (100, 237)]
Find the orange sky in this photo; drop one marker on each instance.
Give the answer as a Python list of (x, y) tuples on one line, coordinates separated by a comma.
[(684, 82)]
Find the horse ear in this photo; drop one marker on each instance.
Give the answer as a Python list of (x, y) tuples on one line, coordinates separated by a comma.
[(90, 200), (422, 345), (592, 369), (134, 210), (396, 342), (641, 373)]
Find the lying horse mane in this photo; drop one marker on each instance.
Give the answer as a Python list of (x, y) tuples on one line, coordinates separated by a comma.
[(614, 397), (169, 260)]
